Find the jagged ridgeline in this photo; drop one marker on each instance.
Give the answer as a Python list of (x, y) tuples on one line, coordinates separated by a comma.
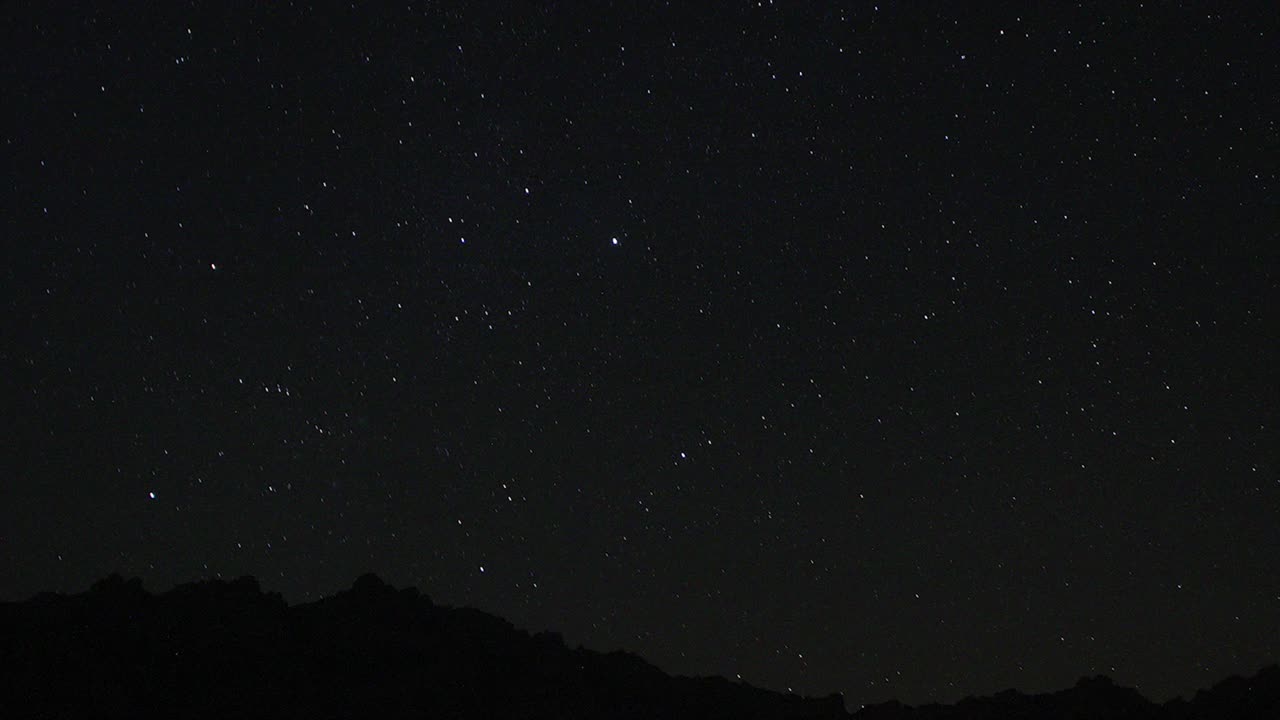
[(227, 649)]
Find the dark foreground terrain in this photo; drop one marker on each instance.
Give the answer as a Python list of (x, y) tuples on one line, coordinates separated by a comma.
[(228, 650)]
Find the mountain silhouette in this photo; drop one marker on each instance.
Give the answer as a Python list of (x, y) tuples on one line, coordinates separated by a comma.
[(1099, 698), (227, 649)]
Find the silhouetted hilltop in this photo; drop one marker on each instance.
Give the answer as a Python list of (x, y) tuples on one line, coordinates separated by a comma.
[(1099, 698), (227, 649)]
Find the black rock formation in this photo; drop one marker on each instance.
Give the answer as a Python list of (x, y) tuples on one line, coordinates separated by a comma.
[(228, 650)]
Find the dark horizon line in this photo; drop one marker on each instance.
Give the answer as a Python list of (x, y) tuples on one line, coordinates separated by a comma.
[(116, 581)]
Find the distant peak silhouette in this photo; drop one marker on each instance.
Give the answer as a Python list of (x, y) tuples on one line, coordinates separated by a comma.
[(215, 649), (370, 583), (114, 584)]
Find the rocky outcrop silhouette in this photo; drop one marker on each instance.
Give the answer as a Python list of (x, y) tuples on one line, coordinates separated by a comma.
[(229, 650), (226, 649)]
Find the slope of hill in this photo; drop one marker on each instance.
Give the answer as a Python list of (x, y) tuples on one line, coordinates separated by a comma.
[(1098, 698), (227, 649)]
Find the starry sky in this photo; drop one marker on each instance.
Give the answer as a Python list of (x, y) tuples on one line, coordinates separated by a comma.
[(907, 350)]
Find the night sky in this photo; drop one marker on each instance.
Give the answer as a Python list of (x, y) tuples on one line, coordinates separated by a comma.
[(914, 350)]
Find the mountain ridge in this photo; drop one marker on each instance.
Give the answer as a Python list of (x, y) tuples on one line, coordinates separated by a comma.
[(217, 648)]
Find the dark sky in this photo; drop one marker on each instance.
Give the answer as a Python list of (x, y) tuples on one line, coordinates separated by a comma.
[(912, 350)]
